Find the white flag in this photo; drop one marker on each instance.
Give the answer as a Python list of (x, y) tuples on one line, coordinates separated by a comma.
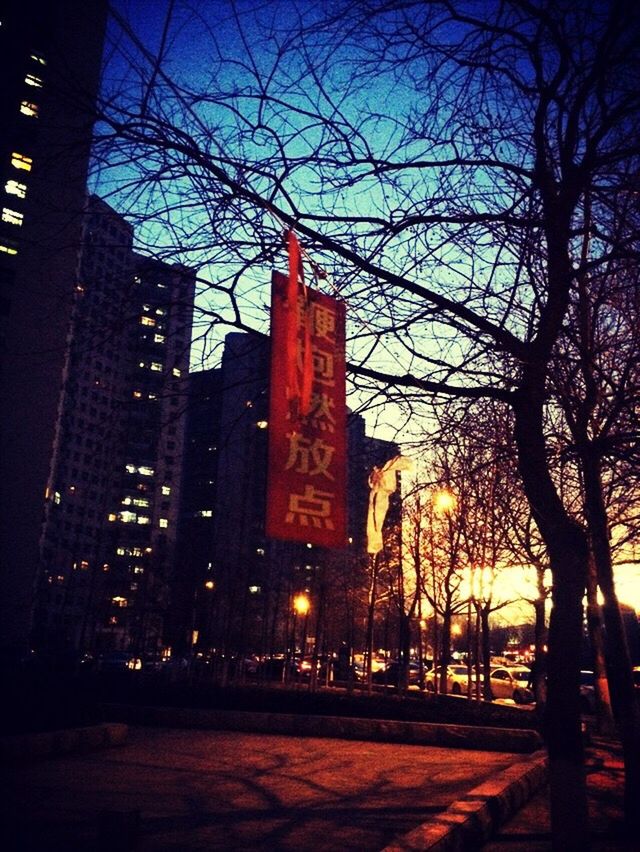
[(382, 484)]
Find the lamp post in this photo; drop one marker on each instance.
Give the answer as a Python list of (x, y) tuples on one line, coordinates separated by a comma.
[(444, 504), (300, 606), (470, 601)]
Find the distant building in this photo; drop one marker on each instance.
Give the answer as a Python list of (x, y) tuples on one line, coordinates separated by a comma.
[(235, 582), (108, 543), (50, 54), (193, 586)]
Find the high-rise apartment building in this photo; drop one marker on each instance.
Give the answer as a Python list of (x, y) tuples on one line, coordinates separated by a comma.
[(50, 54), (108, 542), (236, 584)]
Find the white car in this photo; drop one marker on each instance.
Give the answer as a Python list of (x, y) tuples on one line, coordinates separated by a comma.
[(512, 682), (456, 679)]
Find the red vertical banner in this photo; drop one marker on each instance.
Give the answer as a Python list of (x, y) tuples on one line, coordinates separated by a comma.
[(307, 473)]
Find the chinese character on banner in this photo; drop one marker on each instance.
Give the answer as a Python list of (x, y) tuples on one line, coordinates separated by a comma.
[(306, 489)]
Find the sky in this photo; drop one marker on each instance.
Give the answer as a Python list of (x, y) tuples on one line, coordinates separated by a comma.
[(189, 52)]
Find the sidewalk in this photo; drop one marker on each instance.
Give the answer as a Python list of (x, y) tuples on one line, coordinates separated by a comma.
[(188, 790), (529, 829)]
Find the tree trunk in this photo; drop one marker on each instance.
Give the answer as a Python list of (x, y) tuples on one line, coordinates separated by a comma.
[(486, 652), (625, 705), (445, 649), (604, 716), (373, 591), (540, 640), (568, 553)]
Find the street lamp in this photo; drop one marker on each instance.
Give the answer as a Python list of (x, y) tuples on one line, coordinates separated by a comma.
[(444, 501), (300, 606)]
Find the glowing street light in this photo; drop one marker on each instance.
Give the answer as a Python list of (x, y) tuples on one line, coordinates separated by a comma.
[(444, 501), (301, 604)]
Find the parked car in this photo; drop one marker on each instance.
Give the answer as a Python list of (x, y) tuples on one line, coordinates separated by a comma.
[(118, 661), (512, 682), (457, 677), (377, 664), (391, 673), (587, 692)]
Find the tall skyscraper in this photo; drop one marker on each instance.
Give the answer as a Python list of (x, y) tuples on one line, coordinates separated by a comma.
[(50, 55), (237, 584), (108, 543)]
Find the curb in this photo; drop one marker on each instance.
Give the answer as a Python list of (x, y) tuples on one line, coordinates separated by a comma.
[(340, 727), (469, 822), (63, 742)]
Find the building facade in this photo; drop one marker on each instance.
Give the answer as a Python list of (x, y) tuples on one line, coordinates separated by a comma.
[(240, 584), (50, 55), (108, 543)]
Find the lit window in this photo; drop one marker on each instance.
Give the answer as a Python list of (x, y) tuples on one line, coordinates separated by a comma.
[(146, 471), (13, 187), (161, 286), (12, 216), (260, 551), (138, 569), (57, 497), (147, 320), (176, 371), (119, 601), (161, 312), (29, 109), (128, 517), (131, 468), (135, 501), (111, 517), (32, 80), (38, 58), (136, 279), (159, 338), (20, 161), (163, 522), (262, 424), (204, 513), (136, 551), (156, 366), (166, 490), (152, 396), (121, 551), (8, 248), (138, 395), (254, 590), (143, 519)]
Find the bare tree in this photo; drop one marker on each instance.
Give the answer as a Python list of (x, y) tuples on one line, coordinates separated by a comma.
[(437, 160)]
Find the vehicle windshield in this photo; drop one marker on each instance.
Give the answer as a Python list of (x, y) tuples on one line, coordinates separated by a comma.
[(522, 676)]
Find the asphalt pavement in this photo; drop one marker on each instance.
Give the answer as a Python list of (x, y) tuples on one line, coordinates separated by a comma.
[(176, 789)]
